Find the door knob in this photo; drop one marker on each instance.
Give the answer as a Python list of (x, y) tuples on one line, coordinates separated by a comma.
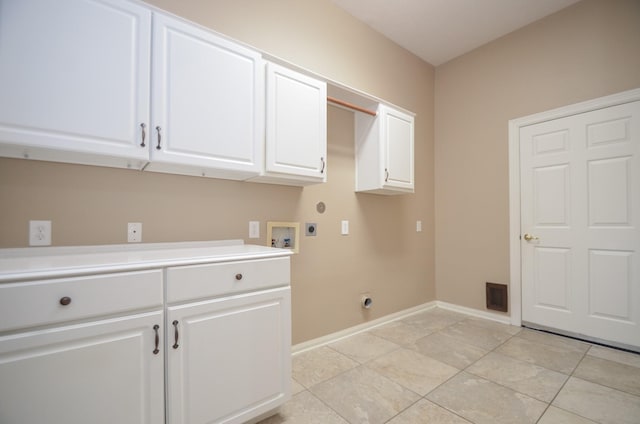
[(529, 237)]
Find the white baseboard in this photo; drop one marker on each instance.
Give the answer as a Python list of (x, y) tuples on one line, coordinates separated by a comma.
[(333, 337), (360, 328), (493, 316)]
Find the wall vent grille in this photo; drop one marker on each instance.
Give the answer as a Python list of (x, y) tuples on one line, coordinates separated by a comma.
[(497, 297)]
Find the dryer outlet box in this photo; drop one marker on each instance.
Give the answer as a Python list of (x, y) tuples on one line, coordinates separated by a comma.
[(310, 229)]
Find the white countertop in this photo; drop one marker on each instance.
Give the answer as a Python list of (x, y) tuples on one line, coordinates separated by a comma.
[(49, 262)]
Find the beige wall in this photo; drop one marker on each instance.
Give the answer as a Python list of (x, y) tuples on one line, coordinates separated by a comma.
[(586, 51), (383, 255)]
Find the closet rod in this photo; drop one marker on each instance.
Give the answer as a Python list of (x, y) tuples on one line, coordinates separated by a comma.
[(351, 106)]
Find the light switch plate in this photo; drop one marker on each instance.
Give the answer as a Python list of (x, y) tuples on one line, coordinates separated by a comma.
[(345, 228), (254, 229)]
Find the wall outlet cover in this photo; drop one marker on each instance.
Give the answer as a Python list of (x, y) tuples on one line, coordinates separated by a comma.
[(134, 232), (39, 233)]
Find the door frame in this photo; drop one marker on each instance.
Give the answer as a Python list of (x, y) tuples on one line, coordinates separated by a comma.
[(515, 273)]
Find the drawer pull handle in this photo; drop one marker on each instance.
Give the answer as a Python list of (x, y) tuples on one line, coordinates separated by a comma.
[(175, 326), (238, 277), (156, 328), (64, 301)]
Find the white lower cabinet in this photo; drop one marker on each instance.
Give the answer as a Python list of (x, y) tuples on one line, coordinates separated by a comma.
[(228, 359), (191, 344), (102, 372), (83, 349)]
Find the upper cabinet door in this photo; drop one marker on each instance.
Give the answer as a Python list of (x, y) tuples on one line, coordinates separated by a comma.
[(74, 78), (296, 144), (207, 101), (384, 152), (397, 136)]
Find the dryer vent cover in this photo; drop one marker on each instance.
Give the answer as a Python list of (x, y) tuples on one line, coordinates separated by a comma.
[(497, 297)]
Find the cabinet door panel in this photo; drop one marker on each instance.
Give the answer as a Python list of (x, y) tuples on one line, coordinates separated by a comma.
[(103, 373), (398, 129), (207, 100), (74, 76), (296, 124), (233, 359), (385, 152)]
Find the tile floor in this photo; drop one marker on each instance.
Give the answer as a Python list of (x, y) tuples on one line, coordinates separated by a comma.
[(440, 366)]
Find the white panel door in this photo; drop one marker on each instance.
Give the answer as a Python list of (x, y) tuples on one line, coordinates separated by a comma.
[(74, 77), (103, 372), (397, 133), (296, 125), (580, 218), (229, 359), (207, 99)]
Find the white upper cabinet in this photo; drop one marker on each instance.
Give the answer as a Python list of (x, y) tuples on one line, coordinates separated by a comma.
[(74, 80), (118, 83), (296, 128), (384, 152), (78, 85), (207, 102)]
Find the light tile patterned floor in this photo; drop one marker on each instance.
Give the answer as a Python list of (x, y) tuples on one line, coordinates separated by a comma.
[(439, 366)]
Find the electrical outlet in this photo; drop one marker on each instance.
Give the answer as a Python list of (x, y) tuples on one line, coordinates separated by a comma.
[(418, 226), (39, 233), (134, 232)]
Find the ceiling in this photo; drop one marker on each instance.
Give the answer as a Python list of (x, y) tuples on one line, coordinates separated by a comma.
[(439, 30)]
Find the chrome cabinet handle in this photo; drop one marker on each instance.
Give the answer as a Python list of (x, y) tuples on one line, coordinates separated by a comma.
[(156, 328), (323, 165), (175, 326), (159, 137), (144, 134), (529, 237)]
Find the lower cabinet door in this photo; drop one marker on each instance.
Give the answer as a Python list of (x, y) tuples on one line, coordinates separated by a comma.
[(103, 372), (229, 359)]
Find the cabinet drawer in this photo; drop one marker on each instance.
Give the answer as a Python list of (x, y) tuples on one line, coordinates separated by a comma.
[(198, 281), (42, 302)]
